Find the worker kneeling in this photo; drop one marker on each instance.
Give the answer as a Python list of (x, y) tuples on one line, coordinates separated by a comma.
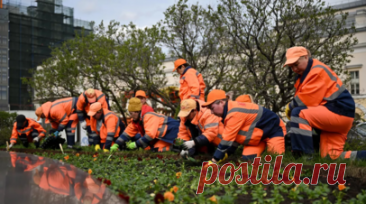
[(199, 128), (246, 124), (106, 124), (159, 131), (28, 130), (322, 102)]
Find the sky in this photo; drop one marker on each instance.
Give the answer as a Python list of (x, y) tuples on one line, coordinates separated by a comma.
[(142, 13)]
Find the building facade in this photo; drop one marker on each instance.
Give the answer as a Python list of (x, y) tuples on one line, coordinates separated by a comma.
[(27, 35)]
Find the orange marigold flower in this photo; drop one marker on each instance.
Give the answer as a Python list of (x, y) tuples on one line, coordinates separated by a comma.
[(77, 154), (95, 159), (169, 196), (175, 189), (90, 171), (341, 187), (178, 175), (213, 199), (66, 157)]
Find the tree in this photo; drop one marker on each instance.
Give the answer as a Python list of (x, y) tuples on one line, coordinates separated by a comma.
[(260, 31), (189, 32), (7, 121), (113, 59)]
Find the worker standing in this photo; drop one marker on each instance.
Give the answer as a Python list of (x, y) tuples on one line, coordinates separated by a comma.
[(106, 124), (199, 128), (148, 129), (27, 130), (191, 81), (246, 124), (82, 108), (140, 94), (321, 101), (62, 115)]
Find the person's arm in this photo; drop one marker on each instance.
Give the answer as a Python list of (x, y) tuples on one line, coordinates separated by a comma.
[(313, 91), (151, 125), (231, 131)]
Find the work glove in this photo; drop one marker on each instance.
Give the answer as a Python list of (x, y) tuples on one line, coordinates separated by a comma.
[(114, 148), (288, 111), (11, 145), (132, 145), (97, 147), (36, 139), (105, 150), (188, 144), (83, 125), (184, 153), (56, 133)]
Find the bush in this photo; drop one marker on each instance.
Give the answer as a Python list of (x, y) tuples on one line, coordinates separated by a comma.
[(6, 125)]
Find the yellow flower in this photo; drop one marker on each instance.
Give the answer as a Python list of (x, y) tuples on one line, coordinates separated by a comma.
[(169, 196), (77, 154), (155, 181), (213, 199), (90, 171), (95, 159), (178, 175), (341, 187)]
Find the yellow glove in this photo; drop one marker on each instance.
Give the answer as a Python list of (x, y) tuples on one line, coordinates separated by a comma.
[(97, 147), (288, 111), (105, 150), (223, 159)]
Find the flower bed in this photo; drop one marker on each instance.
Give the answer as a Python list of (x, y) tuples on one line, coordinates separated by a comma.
[(145, 177)]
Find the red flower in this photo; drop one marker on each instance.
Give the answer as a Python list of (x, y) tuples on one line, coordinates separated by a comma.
[(124, 197), (159, 198), (237, 163), (108, 182), (139, 159), (100, 179), (159, 156)]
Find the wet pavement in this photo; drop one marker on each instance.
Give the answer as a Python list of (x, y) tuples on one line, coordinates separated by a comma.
[(26, 178)]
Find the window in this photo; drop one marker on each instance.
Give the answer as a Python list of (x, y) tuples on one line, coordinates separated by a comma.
[(3, 93), (355, 83)]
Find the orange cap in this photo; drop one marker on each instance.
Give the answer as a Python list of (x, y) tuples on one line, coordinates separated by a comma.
[(90, 94), (244, 98), (140, 93), (186, 107), (215, 95), (178, 63), (94, 108), (294, 53), (39, 112)]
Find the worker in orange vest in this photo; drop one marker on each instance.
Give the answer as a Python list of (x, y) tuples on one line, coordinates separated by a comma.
[(191, 81), (142, 96), (322, 102), (246, 98), (157, 131), (246, 124), (83, 105), (199, 128), (106, 124), (28, 130), (62, 115)]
